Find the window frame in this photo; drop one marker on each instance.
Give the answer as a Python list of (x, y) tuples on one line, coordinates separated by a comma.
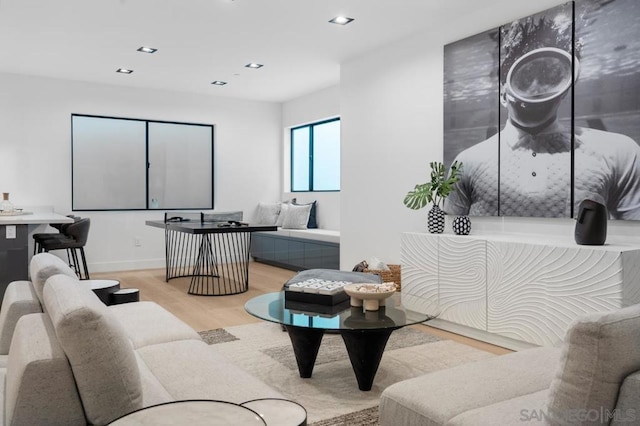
[(310, 127), (143, 143)]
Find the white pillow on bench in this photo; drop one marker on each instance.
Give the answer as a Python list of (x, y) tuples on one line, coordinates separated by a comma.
[(296, 217)]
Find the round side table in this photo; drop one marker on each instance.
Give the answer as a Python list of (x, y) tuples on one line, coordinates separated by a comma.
[(125, 295), (104, 288), (193, 413), (280, 412)]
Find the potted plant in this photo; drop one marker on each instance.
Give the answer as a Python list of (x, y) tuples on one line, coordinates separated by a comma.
[(434, 192)]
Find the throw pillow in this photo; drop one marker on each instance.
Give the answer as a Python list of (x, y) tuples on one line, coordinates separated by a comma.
[(267, 213), (284, 208), (599, 351), (313, 222), (297, 217)]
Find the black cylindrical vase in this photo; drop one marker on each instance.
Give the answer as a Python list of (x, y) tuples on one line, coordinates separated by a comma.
[(591, 223)]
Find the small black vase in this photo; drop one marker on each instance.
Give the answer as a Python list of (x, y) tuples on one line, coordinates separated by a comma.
[(461, 225), (435, 220), (591, 223)]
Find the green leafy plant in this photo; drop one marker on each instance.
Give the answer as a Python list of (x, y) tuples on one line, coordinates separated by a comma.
[(437, 189)]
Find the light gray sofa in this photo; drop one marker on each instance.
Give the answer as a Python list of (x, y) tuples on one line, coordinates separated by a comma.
[(594, 378), (80, 362)]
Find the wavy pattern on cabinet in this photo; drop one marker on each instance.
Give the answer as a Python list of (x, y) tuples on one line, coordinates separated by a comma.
[(419, 259), (523, 288), (631, 271), (462, 287), (516, 297), (544, 288)]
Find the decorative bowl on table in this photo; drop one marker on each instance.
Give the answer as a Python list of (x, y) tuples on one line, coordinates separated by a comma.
[(371, 295)]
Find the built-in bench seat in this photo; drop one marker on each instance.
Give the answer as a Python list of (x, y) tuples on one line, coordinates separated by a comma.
[(308, 234), (297, 249)]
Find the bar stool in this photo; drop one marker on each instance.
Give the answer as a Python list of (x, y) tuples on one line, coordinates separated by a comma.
[(73, 240), (61, 227)]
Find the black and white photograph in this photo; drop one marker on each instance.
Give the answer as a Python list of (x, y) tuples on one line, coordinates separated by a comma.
[(471, 114), (607, 106), (567, 108)]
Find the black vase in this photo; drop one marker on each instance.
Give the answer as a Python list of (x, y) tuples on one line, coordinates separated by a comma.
[(461, 225), (591, 223), (435, 220)]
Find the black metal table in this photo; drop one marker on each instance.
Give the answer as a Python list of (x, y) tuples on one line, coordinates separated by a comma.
[(365, 334), (214, 254)]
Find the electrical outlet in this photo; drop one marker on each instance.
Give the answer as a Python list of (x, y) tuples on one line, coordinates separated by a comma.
[(137, 242), (11, 232)]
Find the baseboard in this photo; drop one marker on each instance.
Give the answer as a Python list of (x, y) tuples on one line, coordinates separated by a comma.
[(131, 265), (483, 336)]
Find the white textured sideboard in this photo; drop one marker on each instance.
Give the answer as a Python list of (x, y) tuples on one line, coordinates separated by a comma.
[(520, 287)]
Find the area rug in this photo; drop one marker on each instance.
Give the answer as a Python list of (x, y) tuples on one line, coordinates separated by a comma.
[(331, 395)]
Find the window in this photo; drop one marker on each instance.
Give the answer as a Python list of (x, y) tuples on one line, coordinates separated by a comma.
[(315, 156), (134, 164)]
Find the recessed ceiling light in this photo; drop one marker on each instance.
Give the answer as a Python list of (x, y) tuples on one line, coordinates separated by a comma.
[(341, 20), (218, 83), (254, 65), (124, 71), (145, 49)]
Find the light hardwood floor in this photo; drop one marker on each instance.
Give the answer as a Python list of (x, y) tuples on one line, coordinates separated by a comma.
[(209, 312)]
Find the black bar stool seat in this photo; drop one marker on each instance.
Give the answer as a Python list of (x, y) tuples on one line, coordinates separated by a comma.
[(73, 240), (61, 227)]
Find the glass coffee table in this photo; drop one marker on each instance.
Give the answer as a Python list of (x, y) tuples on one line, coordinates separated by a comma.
[(365, 333)]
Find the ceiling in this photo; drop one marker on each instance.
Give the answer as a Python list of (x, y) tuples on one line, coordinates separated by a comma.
[(200, 41)]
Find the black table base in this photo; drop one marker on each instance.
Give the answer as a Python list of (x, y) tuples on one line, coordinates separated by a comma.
[(218, 264), (214, 254), (365, 349)]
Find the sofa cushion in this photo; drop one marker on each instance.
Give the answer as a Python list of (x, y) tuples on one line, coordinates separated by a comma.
[(39, 388), (153, 393), (147, 323), (526, 409), (436, 398), (189, 369), (598, 352), (19, 299), (628, 405), (43, 266), (99, 351)]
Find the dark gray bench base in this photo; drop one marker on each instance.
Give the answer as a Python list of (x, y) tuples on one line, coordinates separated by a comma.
[(292, 253)]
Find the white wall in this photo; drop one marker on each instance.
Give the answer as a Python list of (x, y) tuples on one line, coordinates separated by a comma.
[(392, 115), (35, 155), (310, 108)]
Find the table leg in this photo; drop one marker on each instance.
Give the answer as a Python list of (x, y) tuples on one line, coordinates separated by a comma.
[(306, 343), (365, 348)]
